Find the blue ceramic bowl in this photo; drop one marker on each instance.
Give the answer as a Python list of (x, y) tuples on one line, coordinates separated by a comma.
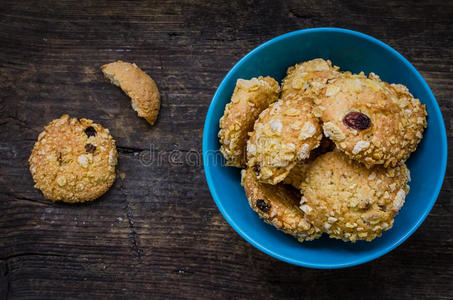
[(355, 52)]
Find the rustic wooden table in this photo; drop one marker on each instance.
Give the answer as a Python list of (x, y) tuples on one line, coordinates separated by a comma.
[(157, 233)]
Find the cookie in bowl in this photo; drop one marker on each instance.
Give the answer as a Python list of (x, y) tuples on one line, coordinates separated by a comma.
[(278, 205), (249, 99), (350, 202), (307, 79), (284, 134), (371, 121)]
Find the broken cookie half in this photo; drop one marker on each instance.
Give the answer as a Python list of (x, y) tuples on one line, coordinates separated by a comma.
[(138, 85)]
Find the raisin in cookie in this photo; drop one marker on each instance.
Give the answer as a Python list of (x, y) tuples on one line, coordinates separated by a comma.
[(308, 78), (349, 201), (371, 121), (284, 134), (250, 98), (138, 85), (278, 205), (73, 160)]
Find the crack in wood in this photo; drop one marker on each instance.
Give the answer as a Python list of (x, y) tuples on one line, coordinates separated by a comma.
[(130, 219), (129, 150), (35, 201), (134, 233), (25, 254), (299, 15)]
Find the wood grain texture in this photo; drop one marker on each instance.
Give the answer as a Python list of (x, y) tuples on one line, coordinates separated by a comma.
[(157, 233)]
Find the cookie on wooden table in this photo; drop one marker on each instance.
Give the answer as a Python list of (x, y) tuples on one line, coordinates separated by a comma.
[(73, 160), (138, 85)]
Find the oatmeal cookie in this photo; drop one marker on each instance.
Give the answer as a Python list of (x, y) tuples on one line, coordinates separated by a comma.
[(138, 85), (249, 99), (277, 205), (308, 78), (73, 160), (371, 121), (283, 135), (349, 201)]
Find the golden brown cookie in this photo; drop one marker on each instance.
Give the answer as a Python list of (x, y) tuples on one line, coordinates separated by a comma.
[(73, 160), (250, 98), (278, 205), (370, 120), (138, 85), (308, 78), (349, 201), (284, 134)]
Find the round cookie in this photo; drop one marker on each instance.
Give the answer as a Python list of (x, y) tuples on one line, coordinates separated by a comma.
[(138, 85), (283, 135), (349, 201), (73, 160), (250, 98), (370, 120), (277, 205), (308, 78)]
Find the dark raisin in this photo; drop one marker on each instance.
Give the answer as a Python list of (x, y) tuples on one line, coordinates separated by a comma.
[(90, 148), (90, 131), (59, 158), (383, 207), (357, 120), (262, 205), (257, 169), (366, 206)]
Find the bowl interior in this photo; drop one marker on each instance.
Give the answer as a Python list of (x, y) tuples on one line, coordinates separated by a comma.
[(350, 51)]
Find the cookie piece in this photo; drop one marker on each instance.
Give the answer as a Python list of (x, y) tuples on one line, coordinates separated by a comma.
[(138, 85), (283, 135), (370, 120), (73, 160), (297, 174), (277, 205), (308, 78), (250, 98), (349, 201)]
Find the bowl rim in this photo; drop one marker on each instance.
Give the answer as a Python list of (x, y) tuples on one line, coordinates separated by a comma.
[(298, 262)]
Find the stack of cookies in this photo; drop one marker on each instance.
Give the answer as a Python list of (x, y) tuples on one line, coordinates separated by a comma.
[(326, 152)]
